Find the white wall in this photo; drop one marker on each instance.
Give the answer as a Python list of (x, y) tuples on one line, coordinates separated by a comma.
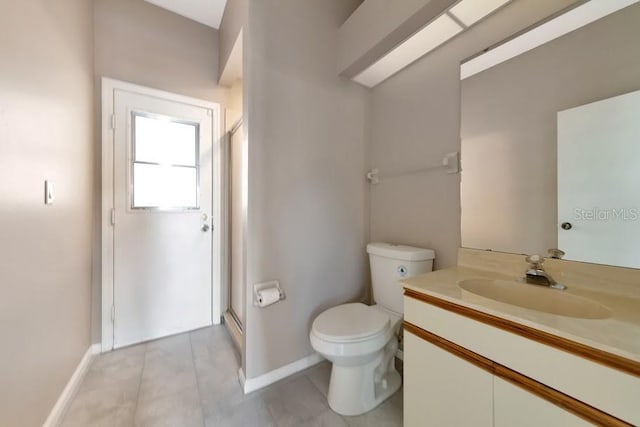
[(233, 20), (307, 159), (415, 121), (46, 125), (234, 104), (145, 44)]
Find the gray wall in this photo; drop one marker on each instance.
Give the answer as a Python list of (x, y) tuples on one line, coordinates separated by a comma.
[(415, 121), (140, 43), (46, 125), (234, 18), (307, 213), (509, 129)]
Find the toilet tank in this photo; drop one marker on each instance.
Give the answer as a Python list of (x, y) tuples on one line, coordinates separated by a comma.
[(391, 263)]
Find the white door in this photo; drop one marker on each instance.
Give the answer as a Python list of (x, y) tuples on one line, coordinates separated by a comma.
[(598, 181), (162, 180)]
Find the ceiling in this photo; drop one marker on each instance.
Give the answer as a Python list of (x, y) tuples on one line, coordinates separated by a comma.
[(207, 12)]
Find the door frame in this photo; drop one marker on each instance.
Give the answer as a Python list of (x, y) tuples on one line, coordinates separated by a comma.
[(243, 225), (109, 86)]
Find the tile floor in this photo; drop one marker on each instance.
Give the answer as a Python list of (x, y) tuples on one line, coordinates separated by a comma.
[(191, 380)]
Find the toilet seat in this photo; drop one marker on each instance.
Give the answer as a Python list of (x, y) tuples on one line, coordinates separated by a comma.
[(359, 341), (350, 323)]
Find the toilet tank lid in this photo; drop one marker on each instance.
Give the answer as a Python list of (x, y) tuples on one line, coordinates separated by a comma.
[(400, 252)]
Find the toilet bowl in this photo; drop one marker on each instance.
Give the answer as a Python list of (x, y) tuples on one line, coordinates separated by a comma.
[(361, 341)]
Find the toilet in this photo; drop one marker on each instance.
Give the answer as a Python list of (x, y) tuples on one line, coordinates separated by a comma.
[(361, 341)]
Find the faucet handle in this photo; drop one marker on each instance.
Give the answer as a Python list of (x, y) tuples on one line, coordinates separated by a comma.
[(556, 253), (535, 261)]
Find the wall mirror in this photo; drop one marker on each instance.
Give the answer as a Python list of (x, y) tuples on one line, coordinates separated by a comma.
[(551, 145)]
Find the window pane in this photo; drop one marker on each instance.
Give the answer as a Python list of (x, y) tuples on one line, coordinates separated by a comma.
[(161, 186), (166, 142)]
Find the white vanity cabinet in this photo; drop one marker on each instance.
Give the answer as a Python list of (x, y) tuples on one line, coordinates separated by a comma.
[(514, 406), (443, 390), (461, 370)]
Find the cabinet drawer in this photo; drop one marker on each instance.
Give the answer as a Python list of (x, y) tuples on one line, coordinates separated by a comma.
[(443, 390), (607, 389), (514, 406)]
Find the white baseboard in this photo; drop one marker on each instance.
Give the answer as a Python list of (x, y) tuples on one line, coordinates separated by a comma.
[(241, 378), (96, 348), (253, 384), (56, 414)]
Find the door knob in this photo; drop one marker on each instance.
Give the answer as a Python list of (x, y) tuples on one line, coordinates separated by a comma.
[(566, 226), (205, 227)]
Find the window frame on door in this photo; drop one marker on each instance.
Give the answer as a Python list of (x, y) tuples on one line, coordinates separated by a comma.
[(132, 160)]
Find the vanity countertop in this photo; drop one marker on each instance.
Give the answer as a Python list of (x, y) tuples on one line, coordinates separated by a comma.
[(618, 335)]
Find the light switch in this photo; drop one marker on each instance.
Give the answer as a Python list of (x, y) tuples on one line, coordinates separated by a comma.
[(452, 162), (48, 193)]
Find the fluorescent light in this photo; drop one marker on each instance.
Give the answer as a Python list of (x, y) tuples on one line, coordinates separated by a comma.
[(428, 38), (576, 18), (471, 11)]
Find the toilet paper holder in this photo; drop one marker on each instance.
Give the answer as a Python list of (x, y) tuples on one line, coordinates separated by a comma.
[(273, 284)]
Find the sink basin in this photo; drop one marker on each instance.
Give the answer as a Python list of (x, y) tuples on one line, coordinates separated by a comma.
[(535, 298)]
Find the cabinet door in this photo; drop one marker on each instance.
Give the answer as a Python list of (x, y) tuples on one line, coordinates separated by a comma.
[(517, 407), (441, 389)]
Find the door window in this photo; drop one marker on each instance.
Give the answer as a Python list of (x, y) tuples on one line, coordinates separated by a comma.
[(165, 163)]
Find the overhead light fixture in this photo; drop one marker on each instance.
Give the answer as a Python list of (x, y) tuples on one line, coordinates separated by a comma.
[(452, 22), (424, 41), (471, 11), (550, 30)]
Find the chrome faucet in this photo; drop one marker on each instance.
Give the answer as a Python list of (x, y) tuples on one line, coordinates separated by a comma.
[(536, 275)]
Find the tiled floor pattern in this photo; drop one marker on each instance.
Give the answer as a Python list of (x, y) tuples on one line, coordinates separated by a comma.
[(191, 380)]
